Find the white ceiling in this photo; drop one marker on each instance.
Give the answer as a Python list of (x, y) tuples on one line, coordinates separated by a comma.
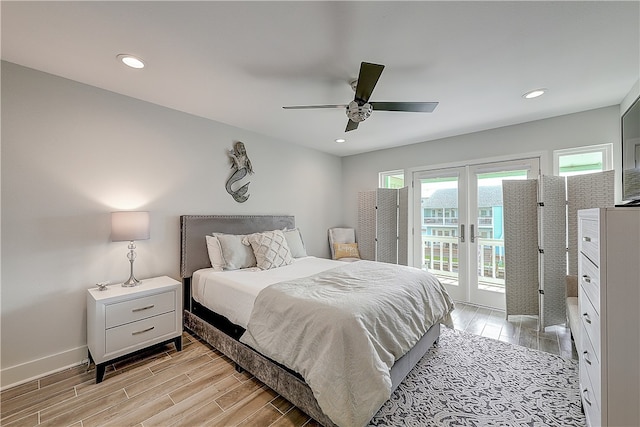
[(240, 62)]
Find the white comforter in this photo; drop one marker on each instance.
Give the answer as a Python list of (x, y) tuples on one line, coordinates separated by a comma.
[(343, 329)]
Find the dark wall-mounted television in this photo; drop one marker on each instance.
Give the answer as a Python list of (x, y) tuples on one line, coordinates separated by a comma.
[(631, 155)]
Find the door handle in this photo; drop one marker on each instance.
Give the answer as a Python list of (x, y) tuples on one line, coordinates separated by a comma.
[(462, 233), (473, 234)]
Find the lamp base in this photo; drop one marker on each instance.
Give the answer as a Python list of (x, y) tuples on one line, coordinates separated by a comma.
[(131, 281)]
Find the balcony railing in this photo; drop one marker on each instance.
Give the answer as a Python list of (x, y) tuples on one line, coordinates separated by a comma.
[(435, 220), (485, 221), (439, 220), (440, 256)]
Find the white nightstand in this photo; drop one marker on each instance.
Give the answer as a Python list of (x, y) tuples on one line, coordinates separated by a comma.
[(122, 320)]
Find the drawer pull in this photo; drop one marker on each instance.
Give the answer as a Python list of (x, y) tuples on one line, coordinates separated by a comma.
[(585, 393), (143, 308), (142, 332), (586, 278), (586, 239), (585, 355), (586, 317)]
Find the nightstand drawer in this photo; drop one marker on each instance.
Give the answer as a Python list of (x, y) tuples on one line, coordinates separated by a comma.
[(589, 242), (136, 333), (133, 310), (589, 280)]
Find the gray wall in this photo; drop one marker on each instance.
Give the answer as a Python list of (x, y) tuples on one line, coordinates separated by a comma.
[(360, 172), (72, 153)]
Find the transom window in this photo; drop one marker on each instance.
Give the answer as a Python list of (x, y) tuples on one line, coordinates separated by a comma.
[(391, 179), (583, 160)]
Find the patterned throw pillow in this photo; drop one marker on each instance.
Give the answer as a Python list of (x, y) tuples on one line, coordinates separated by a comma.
[(346, 250), (270, 248)]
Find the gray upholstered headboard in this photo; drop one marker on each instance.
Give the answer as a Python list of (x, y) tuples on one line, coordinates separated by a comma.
[(194, 228)]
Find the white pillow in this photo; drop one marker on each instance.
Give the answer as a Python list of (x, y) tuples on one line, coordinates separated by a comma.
[(215, 253), (270, 248), (234, 254), (294, 240)]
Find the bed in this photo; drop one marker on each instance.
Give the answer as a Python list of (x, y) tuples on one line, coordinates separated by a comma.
[(237, 333)]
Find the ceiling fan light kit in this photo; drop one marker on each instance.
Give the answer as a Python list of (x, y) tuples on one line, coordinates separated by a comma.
[(360, 108), (358, 113)]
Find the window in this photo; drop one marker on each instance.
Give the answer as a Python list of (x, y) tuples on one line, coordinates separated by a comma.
[(391, 179), (583, 160)]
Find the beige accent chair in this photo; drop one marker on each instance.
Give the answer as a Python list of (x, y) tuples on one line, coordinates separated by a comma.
[(573, 316), (342, 235)]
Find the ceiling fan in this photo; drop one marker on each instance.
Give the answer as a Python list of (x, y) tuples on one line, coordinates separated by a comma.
[(360, 108)]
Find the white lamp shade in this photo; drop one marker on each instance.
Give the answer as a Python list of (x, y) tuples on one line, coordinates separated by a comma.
[(129, 226)]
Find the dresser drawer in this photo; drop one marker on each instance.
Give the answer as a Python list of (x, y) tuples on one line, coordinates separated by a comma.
[(589, 280), (590, 363), (589, 242), (137, 333), (590, 403), (590, 321), (133, 310)]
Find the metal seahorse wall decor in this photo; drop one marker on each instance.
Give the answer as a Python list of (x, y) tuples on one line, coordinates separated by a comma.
[(241, 166)]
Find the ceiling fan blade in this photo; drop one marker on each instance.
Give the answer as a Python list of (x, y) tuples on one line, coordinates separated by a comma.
[(414, 107), (309, 107), (351, 125), (367, 79)]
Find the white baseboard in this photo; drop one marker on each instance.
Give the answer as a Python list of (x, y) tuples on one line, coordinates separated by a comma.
[(28, 371)]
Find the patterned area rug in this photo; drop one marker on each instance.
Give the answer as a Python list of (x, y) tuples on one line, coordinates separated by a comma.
[(468, 380)]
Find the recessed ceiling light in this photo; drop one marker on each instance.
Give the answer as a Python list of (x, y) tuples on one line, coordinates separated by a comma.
[(534, 93), (131, 61), (341, 140)]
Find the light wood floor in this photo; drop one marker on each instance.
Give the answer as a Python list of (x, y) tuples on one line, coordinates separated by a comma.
[(200, 387)]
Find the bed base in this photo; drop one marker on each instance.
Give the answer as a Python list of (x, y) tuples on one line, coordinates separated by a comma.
[(271, 374), (281, 380)]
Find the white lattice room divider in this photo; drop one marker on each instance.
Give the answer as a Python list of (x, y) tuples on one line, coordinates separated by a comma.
[(366, 231), (553, 226), (553, 251), (521, 246), (403, 226), (382, 231), (594, 190), (387, 225)]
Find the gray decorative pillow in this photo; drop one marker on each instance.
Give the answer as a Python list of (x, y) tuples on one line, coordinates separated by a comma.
[(235, 254), (294, 240), (270, 249)]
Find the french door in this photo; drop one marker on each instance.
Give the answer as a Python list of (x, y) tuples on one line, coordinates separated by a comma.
[(458, 229)]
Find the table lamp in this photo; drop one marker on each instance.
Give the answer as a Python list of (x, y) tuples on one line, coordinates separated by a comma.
[(130, 226)]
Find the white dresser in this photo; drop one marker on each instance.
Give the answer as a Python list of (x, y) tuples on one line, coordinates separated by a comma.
[(122, 320), (609, 305)]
